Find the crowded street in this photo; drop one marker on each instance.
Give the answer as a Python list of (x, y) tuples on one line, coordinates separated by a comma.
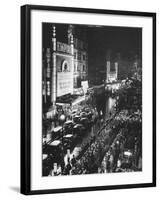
[(95, 138), (91, 100)]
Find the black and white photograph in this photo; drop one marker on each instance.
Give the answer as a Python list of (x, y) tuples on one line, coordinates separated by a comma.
[(88, 100), (92, 99), (80, 100)]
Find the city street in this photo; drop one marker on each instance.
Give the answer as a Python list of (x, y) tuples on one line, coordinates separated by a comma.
[(92, 100), (102, 148)]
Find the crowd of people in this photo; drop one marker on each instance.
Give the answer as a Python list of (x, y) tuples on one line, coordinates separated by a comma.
[(115, 148), (92, 116), (125, 152), (97, 145)]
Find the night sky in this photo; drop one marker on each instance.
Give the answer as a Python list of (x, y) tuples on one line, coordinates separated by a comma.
[(102, 39), (127, 42)]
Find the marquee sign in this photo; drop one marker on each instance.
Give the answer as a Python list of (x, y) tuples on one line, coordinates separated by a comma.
[(64, 83)]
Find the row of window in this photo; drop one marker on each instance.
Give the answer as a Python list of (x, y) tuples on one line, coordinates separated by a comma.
[(79, 44), (79, 67), (79, 56)]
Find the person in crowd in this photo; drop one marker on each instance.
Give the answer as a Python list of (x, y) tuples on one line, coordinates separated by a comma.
[(68, 168), (108, 164), (73, 160)]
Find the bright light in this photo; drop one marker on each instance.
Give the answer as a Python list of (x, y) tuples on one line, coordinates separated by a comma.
[(62, 117), (127, 153)]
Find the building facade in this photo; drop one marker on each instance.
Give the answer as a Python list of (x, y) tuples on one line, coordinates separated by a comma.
[(111, 71), (65, 65), (80, 62)]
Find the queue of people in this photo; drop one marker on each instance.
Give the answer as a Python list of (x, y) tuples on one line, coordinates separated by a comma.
[(125, 152), (110, 151), (91, 159), (115, 146)]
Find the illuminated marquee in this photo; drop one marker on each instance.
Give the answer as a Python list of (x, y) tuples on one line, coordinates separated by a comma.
[(64, 67), (64, 83)]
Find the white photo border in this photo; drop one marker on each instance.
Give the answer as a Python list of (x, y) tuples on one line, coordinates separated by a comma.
[(49, 183)]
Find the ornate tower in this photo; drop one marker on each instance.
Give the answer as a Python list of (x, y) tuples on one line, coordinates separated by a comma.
[(54, 79), (116, 70), (108, 66), (70, 42), (111, 75)]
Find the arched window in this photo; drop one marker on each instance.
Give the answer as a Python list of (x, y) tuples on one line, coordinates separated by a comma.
[(65, 66)]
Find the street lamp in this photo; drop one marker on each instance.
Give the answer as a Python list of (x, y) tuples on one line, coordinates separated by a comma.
[(62, 119)]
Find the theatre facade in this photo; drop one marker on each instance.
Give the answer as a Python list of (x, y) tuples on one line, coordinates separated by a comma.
[(65, 66)]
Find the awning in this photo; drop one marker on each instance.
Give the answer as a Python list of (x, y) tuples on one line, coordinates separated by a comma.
[(78, 100)]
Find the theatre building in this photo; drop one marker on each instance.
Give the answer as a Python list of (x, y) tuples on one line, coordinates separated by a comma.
[(65, 65)]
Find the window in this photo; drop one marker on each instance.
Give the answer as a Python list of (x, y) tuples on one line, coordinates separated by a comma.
[(84, 68), (75, 55), (79, 67), (75, 68), (79, 55), (65, 66), (75, 82)]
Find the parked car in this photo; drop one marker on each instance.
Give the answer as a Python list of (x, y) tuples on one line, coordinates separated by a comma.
[(68, 127), (76, 118), (68, 141), (56, 132), (83, 114), (54, 150), (78, 130), (85, 122)]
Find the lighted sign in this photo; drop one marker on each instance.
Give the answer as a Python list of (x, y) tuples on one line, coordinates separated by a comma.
[(84, 86), (64, 83)]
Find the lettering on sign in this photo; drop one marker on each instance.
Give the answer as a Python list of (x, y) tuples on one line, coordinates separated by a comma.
[(62, 47), (64, 83)]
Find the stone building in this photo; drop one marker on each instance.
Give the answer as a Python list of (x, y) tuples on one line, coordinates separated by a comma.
[(80, 62), (65, 63)]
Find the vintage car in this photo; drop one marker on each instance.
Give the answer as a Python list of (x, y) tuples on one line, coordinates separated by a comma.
[(68, 141), (56, 132), (78, 130), (68, 127)]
